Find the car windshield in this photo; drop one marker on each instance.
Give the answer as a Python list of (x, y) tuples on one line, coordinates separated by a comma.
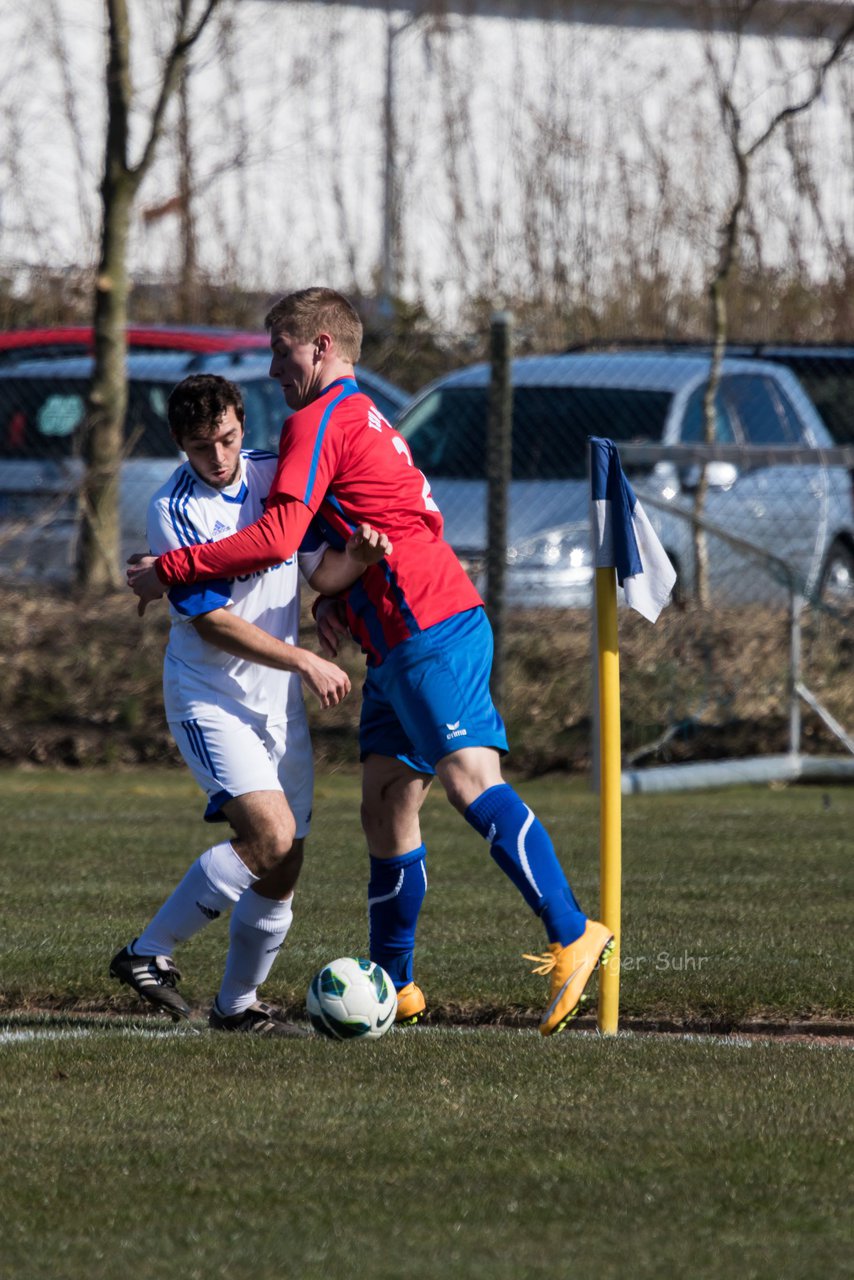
[(447, 430), (42, 419)]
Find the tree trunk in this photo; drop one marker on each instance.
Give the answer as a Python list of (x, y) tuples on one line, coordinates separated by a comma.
[(99, 546)]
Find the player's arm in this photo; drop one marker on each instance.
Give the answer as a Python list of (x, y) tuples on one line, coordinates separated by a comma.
[(225, 630), (267, 542), (338, 570), (330, 616)]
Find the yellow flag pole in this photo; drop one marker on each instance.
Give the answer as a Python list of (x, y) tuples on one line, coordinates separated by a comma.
[(610, 800)]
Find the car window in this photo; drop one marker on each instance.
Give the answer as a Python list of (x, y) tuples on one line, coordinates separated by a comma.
[(694, 418), (265, 412), (447, 430), (793, 426), (40, 419), (829, 383), (758, 411), (147, 432)]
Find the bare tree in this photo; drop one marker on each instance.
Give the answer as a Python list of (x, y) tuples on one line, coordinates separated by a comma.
[(743, 154), (97, 566)]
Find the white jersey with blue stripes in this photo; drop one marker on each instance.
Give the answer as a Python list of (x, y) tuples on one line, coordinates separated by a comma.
[(185, 511)]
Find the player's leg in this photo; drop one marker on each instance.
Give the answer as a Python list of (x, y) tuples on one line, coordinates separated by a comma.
[(522, 847), (444, 703), (518, 841), (395, 781), (270, 837), (392, 796), (224, 754)]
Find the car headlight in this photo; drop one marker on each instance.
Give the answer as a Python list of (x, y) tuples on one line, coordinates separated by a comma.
[(567, 547)]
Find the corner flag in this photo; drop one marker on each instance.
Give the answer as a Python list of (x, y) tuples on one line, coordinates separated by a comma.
[(623, 536), (625, 541)]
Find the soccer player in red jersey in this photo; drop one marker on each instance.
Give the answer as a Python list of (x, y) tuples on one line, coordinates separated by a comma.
[(426, 709)]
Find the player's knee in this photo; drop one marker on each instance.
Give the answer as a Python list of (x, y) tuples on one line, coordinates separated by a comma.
[(370, 819), (273, 845)]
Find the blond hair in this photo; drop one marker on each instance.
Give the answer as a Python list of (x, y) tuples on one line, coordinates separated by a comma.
[(309, 312)]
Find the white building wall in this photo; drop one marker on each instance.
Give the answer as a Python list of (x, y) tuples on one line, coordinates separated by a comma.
[(533, 156)]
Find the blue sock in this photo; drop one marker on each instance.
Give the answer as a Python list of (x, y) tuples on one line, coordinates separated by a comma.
[(395, 893), (521, 846)]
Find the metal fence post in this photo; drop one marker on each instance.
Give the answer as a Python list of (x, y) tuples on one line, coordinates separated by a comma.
[(796, 604), (498, 465)]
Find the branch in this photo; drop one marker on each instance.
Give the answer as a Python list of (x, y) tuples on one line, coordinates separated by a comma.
[(839, 46), (177, 54)]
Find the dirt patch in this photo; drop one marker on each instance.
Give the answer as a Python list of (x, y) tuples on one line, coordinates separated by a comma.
[(82, 1013)]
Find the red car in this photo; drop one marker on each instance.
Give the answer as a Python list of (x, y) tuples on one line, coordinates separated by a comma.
[(72, 340)]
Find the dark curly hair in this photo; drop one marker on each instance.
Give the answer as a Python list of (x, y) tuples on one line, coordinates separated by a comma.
[(197, 405)]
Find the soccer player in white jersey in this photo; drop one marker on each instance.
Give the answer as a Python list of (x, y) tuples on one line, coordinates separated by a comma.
[(232, 690)]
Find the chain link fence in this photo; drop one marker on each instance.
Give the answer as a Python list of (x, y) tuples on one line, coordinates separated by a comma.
[(774, 524), (759, 524)]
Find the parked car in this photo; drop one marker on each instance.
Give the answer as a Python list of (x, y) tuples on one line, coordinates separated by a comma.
[(802, 514), (42, 404)]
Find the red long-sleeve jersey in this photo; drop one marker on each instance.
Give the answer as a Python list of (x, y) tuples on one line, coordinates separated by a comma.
[(342, 463)]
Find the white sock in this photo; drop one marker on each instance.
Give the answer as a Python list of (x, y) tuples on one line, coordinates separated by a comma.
[(213, 883), (259, 926)]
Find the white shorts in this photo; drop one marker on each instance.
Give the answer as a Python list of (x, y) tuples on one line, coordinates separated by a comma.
[(231, 755)]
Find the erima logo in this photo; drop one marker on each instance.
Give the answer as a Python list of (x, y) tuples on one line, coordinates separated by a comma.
[(454, 730), (219, 527), (209, 911)]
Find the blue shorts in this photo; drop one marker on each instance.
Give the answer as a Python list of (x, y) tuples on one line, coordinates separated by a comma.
[(431, 695)]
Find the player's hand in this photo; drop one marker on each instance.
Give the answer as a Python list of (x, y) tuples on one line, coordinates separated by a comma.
[(331, 620), (327, 682), (367, 545), (143, 580)]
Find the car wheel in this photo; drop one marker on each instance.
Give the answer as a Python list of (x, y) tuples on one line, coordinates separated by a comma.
[(837, 575)]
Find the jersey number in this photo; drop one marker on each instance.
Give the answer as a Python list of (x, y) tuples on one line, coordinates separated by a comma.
[(403, 449)]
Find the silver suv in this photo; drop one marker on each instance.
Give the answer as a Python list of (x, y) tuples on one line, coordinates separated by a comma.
[(801, 514)]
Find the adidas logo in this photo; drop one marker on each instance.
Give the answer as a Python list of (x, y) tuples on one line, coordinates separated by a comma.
[(209, 912), (219, 527)]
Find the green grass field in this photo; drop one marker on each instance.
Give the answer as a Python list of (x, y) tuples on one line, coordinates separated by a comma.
[(447, 1150)]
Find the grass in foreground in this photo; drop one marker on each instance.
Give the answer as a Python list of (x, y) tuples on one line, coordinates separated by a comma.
[(430, 1153), (734, 903), (133, 1149)]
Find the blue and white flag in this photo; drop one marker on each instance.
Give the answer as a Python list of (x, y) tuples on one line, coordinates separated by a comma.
[(623, 537)]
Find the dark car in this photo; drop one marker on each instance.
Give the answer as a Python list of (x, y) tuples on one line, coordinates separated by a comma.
[(42, 404), (825, 370)]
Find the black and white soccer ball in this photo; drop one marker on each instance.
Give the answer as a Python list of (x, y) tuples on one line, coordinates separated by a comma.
[(351, 999)]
